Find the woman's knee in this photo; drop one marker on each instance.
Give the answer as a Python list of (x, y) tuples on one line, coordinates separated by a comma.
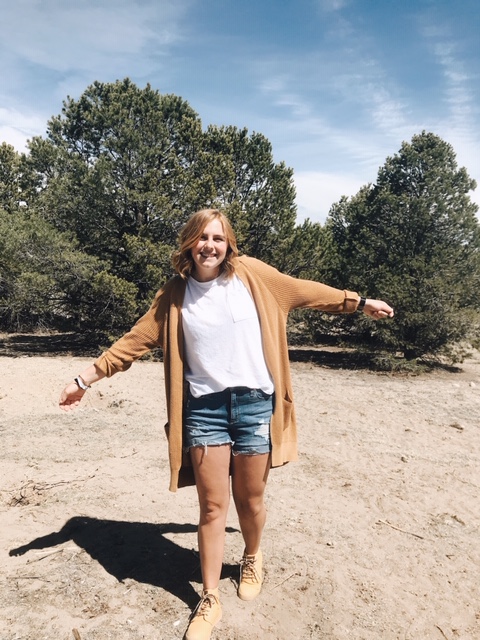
[(249, 507), (212, 510)]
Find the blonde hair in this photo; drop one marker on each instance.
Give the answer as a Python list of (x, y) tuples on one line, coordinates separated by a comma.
[(191, 233)]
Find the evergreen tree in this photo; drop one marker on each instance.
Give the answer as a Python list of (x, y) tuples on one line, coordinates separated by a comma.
[(120, 160), (47, 282), (10, 178), (257, 193), (122, 168), (413, 239)]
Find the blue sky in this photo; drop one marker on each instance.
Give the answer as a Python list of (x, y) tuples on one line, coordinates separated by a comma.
[(335, 85)]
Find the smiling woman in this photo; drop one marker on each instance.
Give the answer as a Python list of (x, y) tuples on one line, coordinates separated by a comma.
[(209, 252), (222, 325), (207, 246)]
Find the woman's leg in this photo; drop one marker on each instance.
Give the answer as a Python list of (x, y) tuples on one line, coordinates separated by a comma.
[(211, 465), (249, 479)]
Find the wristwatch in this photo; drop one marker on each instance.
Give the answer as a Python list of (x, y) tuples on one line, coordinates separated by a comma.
[(361, 304), (81, 384)]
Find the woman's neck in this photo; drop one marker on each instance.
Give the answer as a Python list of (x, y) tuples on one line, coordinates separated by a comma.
[(205, 275)]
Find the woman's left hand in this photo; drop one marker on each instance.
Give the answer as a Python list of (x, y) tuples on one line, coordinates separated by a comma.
[(377, 309)]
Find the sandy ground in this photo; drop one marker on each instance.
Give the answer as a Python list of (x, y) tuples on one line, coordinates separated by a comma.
[(373, 535)]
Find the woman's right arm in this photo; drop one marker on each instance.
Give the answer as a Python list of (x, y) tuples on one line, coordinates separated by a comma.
[(73, 393), (147, 334)]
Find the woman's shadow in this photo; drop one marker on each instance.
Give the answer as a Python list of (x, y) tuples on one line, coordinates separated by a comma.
[(136, 550)]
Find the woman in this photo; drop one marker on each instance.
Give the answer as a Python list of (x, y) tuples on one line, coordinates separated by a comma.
[(221, 322)]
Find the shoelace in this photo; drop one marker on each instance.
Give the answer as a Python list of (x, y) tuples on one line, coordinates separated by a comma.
[(204, 607), (249, 571)]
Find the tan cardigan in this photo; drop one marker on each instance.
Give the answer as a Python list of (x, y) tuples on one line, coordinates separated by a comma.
[(275, 294)]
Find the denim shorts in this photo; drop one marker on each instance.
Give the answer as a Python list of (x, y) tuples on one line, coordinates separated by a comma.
[(237, 416)]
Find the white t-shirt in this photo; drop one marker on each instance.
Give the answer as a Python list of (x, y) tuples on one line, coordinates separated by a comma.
[(223, 341)]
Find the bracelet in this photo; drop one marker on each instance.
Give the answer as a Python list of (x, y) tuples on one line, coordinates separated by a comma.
[(361, 304), (81, 384)]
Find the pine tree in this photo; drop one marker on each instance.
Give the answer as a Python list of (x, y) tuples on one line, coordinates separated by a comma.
[(413, 239)]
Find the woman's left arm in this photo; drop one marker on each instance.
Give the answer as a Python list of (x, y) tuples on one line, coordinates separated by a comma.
[(296, 293)]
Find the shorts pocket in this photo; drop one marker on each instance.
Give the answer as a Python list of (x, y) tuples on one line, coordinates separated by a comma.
[(259, 394)]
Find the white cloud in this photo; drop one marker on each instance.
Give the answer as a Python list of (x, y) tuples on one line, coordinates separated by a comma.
[(280, 89), (318, 190), (333, 156), (459, 126), (373, 113), (17, 127), (88, 35), (331, 6), (14, 137), (461, 85), (52, 49)]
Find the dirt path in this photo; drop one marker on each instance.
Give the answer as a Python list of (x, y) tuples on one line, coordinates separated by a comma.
[(373, 535)]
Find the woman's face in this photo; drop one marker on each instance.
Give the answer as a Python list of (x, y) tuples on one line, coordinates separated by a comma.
[(209, 252)]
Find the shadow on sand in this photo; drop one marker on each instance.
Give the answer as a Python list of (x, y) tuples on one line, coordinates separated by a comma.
[(136, 550)]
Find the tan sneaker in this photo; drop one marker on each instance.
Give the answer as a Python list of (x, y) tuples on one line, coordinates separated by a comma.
[(251, 576), (206, 615)]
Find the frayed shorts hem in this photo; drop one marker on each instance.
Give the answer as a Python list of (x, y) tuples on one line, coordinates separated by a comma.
[(258, 451)]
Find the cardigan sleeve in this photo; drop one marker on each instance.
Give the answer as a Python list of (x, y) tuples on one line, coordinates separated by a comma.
[(145, 335), (295, 293)]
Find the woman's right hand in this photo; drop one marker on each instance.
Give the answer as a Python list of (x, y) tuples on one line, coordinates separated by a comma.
[(70, 397), (72, 394)]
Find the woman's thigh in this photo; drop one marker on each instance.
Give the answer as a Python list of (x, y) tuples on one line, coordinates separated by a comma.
[(249, 477), (211, 466)]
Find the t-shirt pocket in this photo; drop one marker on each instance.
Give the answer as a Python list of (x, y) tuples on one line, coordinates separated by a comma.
[(241, 305)]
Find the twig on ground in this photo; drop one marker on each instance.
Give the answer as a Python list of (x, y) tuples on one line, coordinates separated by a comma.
[(76, 549), (410, 533), (46, 486), (46, 555), (472, 484), (76, 635), (456, 425), (129, 455), (442, 632), (285, 580)]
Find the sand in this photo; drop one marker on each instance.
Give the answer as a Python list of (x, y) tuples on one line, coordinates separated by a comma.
[(373, 535)]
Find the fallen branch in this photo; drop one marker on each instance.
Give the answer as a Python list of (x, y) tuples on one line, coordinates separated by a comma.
[(410, 533), (31, 489), (76, 635), (46, 486)]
